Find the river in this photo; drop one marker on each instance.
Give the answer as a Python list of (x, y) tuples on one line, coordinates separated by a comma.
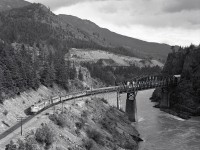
[(159, 130), (162, 131)]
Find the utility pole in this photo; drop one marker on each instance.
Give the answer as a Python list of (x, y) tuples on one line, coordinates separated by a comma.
[(61, 101), (54, 106), (20, 119), (21, 125), (118, 107), (62, 107)]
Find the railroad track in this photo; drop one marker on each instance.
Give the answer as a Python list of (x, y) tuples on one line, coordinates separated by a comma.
[(16, 126), (125, 90)]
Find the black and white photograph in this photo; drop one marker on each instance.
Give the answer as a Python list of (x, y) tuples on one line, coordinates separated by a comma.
[(99, 74)]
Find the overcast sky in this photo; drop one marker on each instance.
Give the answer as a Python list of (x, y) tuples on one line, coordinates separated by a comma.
[(175, 22)]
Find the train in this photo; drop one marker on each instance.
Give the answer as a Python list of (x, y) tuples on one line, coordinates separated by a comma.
[(40, 105), (142, 84)]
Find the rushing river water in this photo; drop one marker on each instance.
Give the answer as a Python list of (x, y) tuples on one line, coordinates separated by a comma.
[(159, 130)]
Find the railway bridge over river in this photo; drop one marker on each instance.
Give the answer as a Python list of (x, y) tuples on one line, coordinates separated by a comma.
[(131, 87)]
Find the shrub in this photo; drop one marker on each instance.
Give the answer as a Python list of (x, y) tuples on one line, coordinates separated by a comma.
[(11, 146), (79, 125), (44, 135), (104, 100), (77, 131), (95, 135), (87, 101), (59, 119), (88, 144), (1, 99), (84, 114), (5, 112), (106, 124), (128, 146), (28, 144)]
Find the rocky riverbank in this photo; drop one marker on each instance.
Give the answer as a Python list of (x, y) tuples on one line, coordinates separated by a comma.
[(175, 110)]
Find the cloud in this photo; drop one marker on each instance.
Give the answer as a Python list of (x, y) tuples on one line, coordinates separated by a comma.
[(182, 5), (144, 12), (55, 4), (171, 21)]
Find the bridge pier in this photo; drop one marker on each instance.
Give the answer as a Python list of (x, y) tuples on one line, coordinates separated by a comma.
[(131, 106), (164, 102)]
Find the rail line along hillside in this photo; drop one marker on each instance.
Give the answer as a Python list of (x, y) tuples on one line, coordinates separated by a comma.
[(140, 83)]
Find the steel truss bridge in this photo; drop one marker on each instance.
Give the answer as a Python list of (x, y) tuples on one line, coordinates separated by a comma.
[(148, 82), (131, 87)]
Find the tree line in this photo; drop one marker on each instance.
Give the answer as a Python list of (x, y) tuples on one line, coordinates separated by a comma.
[(110, 75), (20, 70)]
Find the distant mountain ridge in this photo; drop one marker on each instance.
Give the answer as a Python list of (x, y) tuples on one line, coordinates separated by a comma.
[(105, 36), (88, 34)]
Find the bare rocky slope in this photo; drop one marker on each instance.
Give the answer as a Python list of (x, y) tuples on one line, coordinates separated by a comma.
[(110, 59), (85, 124), (185, 98), (17, 106)]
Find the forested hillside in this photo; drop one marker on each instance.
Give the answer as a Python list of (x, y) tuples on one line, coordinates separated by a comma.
[(109, 75), (186, 96), (32, 50), (33, 45), (21, 69)]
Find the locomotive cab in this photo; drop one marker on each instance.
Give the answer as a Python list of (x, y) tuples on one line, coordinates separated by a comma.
[(34, 109)]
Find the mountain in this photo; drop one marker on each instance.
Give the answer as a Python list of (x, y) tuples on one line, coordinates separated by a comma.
[(96, 37), (33, 45), (104, 36), (36, 23), (10, 4)]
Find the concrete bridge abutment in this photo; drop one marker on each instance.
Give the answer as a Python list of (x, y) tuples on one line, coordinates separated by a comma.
[(131, 106), (165, 102)]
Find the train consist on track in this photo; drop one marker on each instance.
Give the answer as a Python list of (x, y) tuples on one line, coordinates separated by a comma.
[(47, 102), (143, 83)]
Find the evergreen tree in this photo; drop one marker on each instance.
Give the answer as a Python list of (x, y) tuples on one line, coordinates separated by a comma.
[(80, 75)]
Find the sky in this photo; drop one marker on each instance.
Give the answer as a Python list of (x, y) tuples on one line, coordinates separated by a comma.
[(174, 22)]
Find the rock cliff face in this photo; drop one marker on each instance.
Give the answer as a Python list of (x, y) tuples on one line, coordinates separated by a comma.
[(186, 96)]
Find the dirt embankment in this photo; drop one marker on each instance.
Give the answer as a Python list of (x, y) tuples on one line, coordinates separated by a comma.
[(89, 123), (16, 107)]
